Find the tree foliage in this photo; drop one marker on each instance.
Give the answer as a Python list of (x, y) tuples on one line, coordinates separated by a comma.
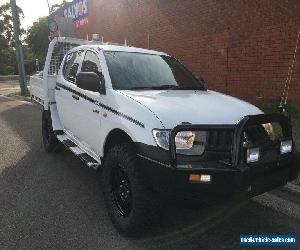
[(37, 38), (7, 51), (38, 33), (55, 7)]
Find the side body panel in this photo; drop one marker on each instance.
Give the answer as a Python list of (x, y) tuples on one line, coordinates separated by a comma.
[(37, 89)]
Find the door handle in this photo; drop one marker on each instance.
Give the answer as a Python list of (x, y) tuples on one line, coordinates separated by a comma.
[(75, 97), (96, 111), (57, 88)]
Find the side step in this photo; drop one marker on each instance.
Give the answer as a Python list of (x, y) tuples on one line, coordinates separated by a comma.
[(87, 159)]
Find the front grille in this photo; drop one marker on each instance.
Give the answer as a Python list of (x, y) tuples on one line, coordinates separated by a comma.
[(256, 134), (220, 141)]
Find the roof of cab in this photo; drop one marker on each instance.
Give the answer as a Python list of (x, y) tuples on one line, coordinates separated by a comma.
[(122, 48)]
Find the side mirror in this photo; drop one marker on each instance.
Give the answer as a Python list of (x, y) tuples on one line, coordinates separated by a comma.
[(91, 81)]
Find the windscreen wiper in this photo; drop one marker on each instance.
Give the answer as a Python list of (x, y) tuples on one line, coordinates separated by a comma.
[(140, 88), (166, 86), (169, 86), (191, 88)]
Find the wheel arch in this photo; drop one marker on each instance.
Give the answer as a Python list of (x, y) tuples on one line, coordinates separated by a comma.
[(115, 137)]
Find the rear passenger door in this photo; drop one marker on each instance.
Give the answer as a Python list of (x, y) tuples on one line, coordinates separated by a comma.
[(65, 93), (88, 112)]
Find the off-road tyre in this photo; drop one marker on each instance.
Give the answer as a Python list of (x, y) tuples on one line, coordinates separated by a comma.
[(50, 141), (142, 206)]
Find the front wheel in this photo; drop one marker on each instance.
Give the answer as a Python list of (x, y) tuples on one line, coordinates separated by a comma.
[(50, 141), (131, 204)]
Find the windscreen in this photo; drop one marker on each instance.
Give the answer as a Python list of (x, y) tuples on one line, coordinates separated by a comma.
[(145, 71)]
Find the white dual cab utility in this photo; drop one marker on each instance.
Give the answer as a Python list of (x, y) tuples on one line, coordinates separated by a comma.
[(155, 129)]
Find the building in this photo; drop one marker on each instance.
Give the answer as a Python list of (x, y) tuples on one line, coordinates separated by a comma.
[(240, 47)]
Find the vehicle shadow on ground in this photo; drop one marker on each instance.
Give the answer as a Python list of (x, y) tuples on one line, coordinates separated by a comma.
[(54, 201)]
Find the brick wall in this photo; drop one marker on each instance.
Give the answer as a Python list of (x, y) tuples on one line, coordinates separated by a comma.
[(240, 47)]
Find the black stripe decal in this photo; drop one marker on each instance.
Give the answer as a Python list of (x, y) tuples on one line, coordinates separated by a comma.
[(122, 115), (129, 118)]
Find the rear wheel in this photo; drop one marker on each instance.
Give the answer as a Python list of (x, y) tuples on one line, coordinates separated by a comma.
[(50, 141), (131, 205)]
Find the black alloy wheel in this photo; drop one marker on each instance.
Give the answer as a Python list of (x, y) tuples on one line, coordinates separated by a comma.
[(121, 191), (131, 205)]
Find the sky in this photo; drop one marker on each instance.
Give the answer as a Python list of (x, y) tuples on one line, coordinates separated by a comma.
[(33, 9)]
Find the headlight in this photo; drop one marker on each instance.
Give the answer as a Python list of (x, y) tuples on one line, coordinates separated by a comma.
[(161, 138), (269, 129), (185, 139), (187, 142)]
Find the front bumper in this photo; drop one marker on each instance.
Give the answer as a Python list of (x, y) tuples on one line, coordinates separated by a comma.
[(169, 173), (249, 181)]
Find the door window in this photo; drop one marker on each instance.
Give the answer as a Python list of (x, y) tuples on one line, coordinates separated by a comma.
[(71, 65), (91, 63)]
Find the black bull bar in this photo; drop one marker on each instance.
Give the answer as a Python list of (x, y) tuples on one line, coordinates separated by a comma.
[(237, 129)]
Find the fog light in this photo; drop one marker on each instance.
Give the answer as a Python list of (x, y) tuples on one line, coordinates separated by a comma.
[(205, 178), (286, 146), (200, 178), (252, 154)]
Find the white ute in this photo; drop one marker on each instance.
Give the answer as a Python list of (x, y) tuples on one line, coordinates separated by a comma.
[(155, 129)]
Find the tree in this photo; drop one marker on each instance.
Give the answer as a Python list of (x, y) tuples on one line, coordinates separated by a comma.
[(37, 38), (7, 51), (37, 35), (55, 7)]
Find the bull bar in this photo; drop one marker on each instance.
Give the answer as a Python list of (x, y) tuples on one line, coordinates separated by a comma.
[(238, 129)]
